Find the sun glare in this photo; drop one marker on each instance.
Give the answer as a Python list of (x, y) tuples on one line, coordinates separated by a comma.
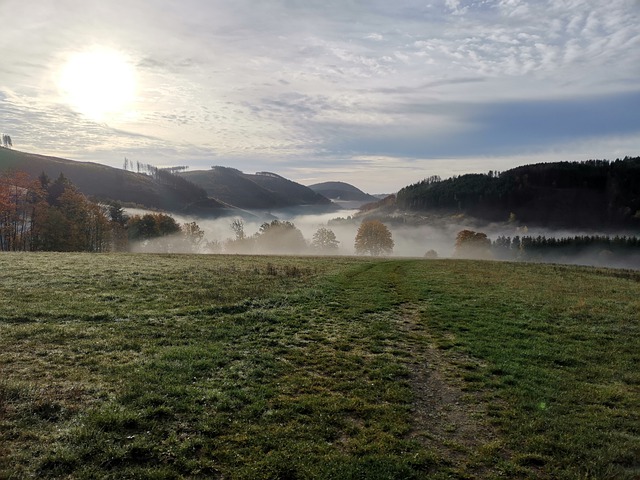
[(98, 83)]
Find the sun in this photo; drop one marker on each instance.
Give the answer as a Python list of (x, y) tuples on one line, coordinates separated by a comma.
[(99, 83)]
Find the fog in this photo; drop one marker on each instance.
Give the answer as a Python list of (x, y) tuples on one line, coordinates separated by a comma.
[(413, 236)]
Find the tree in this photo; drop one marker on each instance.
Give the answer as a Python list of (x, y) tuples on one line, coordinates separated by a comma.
[(68, 221), (167, 224), (470, 244), (238, 228), (324, 240), (193, 234), (280, 237), (118, 220), (151, 225), (240, 244), (57, 188), (19, 196), (373, 237)]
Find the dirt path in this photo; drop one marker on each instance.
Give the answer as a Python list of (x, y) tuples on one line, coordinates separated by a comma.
[(447, 420)]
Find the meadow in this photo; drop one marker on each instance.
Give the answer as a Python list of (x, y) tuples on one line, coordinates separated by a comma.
[(248, 367)]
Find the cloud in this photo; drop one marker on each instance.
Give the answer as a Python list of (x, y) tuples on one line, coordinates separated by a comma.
[(276, 82)]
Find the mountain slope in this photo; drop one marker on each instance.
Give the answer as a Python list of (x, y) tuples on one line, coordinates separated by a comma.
[(163, 191), (342, 191), (258, 191), (292, 191)]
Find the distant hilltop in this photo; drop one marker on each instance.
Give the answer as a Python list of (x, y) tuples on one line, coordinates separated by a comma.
[(342, 191)]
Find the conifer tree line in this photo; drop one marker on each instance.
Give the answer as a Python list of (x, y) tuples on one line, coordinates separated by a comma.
[(602, 249), (533, 248)]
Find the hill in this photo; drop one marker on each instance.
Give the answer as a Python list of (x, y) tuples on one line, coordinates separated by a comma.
[(592, 194), (160, 190), (342, 191), (263, 190)]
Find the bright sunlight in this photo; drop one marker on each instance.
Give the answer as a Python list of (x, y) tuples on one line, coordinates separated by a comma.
[(98, 83)]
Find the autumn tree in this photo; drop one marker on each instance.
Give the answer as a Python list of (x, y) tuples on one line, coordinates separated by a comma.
[(151, 225), (373, 237), (470, 244), (70, 221), (66, 220), (325, 241), (19, 196)]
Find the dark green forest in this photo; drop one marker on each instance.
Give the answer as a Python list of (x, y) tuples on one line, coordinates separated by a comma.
[(590, 194)]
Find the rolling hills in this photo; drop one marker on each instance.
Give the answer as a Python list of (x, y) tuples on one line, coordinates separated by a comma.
[(263, 190), (104, 183), (217, 192)]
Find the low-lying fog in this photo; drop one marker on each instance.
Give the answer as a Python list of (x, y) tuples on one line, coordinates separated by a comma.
[(410, 240)]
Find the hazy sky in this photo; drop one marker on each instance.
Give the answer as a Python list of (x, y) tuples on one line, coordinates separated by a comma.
[(377, 93)]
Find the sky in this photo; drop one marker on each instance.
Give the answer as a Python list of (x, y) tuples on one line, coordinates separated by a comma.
[(376, 93)]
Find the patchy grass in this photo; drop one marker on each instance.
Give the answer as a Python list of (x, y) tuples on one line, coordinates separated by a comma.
[(166, 366)]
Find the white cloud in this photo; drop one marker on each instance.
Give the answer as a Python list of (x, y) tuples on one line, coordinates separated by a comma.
[(284, 82)]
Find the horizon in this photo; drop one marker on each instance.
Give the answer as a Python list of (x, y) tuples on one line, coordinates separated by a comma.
[(374, 95)]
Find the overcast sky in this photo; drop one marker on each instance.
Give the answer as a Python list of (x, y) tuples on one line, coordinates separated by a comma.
[(377, 93)]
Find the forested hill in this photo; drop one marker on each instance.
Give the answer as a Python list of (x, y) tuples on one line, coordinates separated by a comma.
[(263, 190), (155, 188), (342, 191), (590, 194)]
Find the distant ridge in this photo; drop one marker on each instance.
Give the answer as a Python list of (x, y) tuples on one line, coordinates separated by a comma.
[(104, 183), (212, 193), (342, 191), (263, 190)]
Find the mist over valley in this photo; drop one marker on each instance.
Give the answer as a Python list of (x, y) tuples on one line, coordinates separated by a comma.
[(588, 204)]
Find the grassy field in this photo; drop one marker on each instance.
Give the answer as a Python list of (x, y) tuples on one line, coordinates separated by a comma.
[(161, 366)]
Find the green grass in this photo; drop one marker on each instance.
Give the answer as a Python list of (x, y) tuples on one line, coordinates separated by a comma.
[(167, 366)]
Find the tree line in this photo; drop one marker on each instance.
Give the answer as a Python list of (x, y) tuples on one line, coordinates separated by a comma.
[(594, 193), (602, 248), (539, 247), (46, 215), (283, 237)]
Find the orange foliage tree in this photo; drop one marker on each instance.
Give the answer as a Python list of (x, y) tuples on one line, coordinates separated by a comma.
[(19, 199), (470, 244), (373, 237), (70, 222)]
